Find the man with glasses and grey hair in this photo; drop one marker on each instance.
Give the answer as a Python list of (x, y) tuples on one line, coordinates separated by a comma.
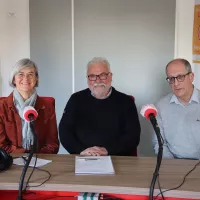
[(100, 120), (179, 113)]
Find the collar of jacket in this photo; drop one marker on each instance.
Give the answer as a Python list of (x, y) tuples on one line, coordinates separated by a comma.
[(38, 105)]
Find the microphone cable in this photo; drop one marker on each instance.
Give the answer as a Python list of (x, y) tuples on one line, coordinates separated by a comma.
[(27, 182), (175, 188), (34, 167)]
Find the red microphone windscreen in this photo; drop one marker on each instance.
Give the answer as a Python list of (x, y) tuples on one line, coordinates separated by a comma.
[(147, 110), (29, 110)]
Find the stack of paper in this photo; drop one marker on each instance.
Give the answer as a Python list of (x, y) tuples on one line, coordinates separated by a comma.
[(39, 163), (94, 165)]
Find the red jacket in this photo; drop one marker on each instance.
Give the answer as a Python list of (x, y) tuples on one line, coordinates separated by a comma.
[(11, 128)]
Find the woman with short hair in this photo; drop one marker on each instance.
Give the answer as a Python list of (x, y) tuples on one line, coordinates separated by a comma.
[(15, 132)]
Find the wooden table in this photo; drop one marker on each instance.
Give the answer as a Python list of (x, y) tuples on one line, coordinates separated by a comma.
[(133, 176)]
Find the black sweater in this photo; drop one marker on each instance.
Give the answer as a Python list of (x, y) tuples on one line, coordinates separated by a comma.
[(111, 123)]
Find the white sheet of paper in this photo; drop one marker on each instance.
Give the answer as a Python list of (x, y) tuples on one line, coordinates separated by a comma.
[(40, 162), (93, 165)]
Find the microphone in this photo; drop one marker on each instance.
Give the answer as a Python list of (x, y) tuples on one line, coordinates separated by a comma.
[(29, 115), (149, 111)]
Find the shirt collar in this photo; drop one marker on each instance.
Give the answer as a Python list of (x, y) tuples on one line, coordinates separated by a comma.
[(109, 93), (194, 97)]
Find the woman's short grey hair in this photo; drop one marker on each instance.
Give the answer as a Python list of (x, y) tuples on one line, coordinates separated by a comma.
[(21, 64), (182, 60), (99, 60)]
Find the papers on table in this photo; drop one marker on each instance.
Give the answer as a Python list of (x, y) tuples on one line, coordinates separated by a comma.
[(40, 162), (93, 165)]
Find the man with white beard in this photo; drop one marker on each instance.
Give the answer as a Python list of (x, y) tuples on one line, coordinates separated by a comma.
[(100, 120)]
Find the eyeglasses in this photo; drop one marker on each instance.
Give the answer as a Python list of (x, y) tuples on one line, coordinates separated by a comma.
[(22, 75), (102, 76), (179, 78)]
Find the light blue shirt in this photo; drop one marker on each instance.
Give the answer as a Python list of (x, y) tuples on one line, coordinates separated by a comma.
[(179, 126)]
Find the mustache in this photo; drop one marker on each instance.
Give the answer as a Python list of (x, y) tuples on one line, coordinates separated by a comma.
[(99, 84)]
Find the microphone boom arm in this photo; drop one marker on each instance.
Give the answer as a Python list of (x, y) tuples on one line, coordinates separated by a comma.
[(159, 156), (32, 151)]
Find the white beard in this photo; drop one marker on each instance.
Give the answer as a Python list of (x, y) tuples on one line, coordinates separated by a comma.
[(99, 89)]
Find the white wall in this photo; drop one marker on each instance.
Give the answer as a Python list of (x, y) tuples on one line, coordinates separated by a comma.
[(15, 42), (131, 34), (131, 28), (14, 38), (184, 33), (184, 29), (51, 46)]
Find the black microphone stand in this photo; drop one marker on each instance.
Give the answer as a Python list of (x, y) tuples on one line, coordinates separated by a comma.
[(159, 156), (33, 149)]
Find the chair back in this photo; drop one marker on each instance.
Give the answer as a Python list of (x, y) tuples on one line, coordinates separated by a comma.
[(135, 151), (50, 99)]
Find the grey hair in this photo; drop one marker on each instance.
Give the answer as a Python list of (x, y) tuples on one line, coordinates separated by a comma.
[(99, 60), (182, 60), (21, 64)]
